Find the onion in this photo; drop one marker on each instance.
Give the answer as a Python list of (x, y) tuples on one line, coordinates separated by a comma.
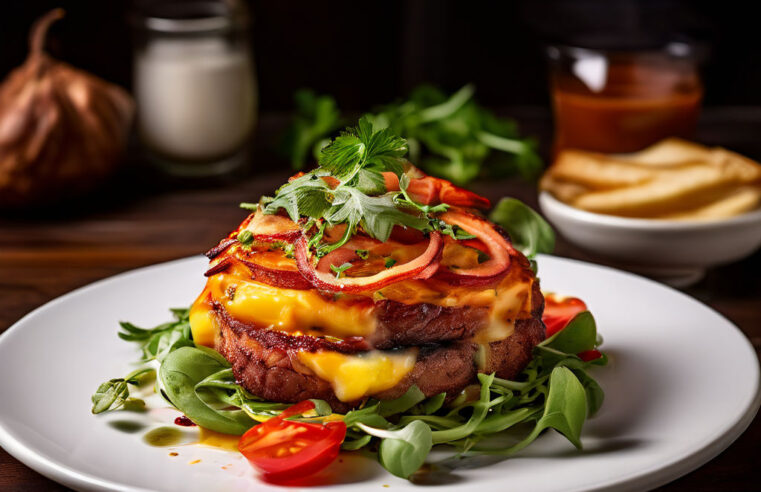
[(328, 281), (499, 250)]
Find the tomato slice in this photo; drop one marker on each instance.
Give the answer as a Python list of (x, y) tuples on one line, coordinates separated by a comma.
[(558, 312), (285, 450)]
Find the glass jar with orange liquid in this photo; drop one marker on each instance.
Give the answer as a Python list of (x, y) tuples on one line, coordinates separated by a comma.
[(622, 101)]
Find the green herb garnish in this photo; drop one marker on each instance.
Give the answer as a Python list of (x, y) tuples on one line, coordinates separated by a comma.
[(114, 394), (362, 254), (389, 262), (338, 270), (245, 237), (449, 136), (355, 160), (157, 342)]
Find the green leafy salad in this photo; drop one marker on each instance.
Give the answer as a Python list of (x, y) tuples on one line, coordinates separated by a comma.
[(450, 136), (493, 416)]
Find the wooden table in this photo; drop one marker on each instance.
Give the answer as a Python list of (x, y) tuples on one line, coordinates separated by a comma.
[(139, 219)]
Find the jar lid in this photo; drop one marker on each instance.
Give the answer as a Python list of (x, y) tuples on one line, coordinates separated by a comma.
[(190, 17)]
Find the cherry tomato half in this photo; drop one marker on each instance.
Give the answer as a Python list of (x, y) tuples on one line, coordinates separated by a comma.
[(286, 450), (588, 355), (558, 312)]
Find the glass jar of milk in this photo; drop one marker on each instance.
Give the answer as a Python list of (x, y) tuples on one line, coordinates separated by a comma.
[(194, 84)]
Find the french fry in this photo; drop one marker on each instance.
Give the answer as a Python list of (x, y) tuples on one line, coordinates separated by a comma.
[(598, 171), (671, 179), (565, 191), (732, 202), (670, 152), (745, 170), (674, 190)]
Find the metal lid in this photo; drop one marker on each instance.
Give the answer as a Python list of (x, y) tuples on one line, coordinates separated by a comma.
[(190, 17)]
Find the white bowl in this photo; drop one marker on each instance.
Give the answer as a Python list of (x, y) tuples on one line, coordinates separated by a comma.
[(674, 251)]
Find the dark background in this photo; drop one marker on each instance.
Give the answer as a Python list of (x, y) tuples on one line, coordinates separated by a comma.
[(368, 53)]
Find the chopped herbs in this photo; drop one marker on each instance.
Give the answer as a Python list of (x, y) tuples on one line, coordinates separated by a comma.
[(363, 254), (349, 188), (245, 237), (338, 270), (390, 262)]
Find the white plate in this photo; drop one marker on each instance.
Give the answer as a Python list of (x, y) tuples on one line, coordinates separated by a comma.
[(682, 384)]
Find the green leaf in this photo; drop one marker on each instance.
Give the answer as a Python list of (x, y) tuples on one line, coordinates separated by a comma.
[(114, 394), (595, 394), (412, 397), (434, 403), (181, 371), (480, 410), (529, 232), (402, 452), (367, 416), (578, 336), (338, 270), (566, 407), (316, 117), (158, 342)]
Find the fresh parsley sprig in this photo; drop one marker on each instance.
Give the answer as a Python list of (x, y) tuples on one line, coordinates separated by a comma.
[(349, 188)]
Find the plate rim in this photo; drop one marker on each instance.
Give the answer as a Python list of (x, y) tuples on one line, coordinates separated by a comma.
[(649, 478)]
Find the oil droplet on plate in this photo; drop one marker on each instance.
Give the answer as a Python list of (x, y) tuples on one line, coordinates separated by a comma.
[(163, 436), (218, 440)]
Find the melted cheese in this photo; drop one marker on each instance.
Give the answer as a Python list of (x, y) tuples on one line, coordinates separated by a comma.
[(508, 305), (202, 321), (355, 376), (291, 310)]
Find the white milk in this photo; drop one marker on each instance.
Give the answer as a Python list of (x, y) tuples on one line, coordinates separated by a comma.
[(196, 98)]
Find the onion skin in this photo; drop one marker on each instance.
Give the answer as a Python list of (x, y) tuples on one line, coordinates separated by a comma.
[(62, 130), (499, 250), (328, 281)]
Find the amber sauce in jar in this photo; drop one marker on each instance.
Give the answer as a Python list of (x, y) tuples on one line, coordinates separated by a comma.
[(638, 100)]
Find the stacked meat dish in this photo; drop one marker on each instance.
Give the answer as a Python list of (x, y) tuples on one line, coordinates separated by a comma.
[(371, 318)]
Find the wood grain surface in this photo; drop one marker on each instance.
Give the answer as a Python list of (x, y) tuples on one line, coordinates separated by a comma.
[(138, 219)]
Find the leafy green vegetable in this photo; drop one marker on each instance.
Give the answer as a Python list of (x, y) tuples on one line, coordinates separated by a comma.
[(114, 394), (565, 410), (530, 233), (449, 136), (403, 451), (179, 374), (315, 119), (555, 391), (579, 335), (356, 159), (159, 341)]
